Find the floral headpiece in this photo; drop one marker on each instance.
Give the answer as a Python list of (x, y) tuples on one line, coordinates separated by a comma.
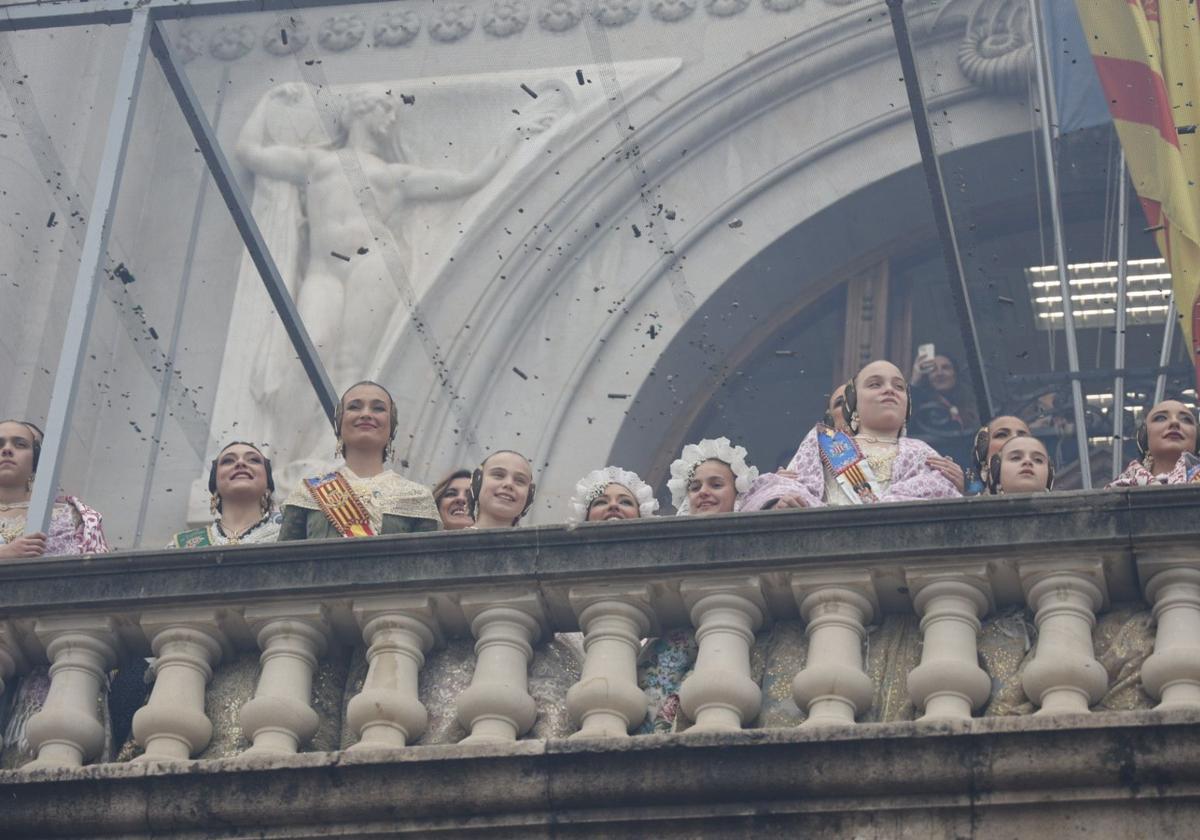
[(594, 483), (695, 454)]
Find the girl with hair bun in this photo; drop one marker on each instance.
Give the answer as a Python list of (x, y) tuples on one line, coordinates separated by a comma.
[(870, 462)]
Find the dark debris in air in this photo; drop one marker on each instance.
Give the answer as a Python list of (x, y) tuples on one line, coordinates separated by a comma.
[(1003, 299), (618, 396), (361, 251), (123, 274), (50, 222), (339, 256), (283, 36), (408, 98), (735, 224), (528, 90), (579, 76), (520, 373)]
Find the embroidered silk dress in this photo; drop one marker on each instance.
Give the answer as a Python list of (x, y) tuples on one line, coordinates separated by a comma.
[(394, 505), (899, 467), (1136, 475), (75, 528)]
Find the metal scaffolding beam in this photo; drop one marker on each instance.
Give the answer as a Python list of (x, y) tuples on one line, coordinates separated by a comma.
[(941, 209), (89, 275)]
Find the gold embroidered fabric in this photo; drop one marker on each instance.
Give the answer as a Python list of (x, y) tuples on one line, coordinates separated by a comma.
[(783, 650), (1124, 637), (893, 650), (1006, 644), (386, 493)]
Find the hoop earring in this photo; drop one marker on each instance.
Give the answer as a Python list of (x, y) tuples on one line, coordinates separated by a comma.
[(340, 449), (214, 505)]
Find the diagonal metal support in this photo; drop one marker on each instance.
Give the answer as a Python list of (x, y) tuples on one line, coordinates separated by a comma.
[(88, 278), (1046, 95), (941, 209), (239, 208)]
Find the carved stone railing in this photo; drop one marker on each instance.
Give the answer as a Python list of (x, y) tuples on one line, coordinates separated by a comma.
[(1065, 557)]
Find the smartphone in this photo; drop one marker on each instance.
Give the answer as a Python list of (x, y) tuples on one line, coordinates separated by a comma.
[(926, 351)]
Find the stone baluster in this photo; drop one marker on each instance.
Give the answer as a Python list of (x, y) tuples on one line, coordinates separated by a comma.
[(949, 682), (399, 630), (1171, 582), (12, 658), (188, 644), (1064, 675), (606, 702), (833, 688), (279, 718), (67, 731), (720, 695), (496, 707)]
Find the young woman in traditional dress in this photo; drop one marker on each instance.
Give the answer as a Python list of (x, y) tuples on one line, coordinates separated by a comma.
[(872, 462), (988, 441), (241, 486), (502, 490), (75, 528), (453, 497), (1168, 443), (711, 476), (611, 493), (1022, 465), (361, 498)]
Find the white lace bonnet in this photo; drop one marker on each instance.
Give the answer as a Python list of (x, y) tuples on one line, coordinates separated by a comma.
[(594, 483), (695, 454)]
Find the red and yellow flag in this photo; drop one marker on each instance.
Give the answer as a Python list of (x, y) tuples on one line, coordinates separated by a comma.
[(1147, 54)]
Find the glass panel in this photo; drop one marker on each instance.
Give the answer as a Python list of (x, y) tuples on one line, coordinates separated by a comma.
[(978, 72), (589, 232), (55, 100)]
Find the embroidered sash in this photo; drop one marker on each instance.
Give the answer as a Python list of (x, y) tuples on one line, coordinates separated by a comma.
[(1191, 467), (841, 455), (337, 501)]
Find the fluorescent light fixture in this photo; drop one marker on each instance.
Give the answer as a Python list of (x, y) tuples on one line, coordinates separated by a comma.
[(1093, 288)]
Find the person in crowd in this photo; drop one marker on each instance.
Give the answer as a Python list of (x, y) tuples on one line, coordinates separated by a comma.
[(75, 528), (940, 404), (834, 418), (502, 490), (453, 497), (1165, 435), (1020, 465), (711, 476), (361, 498), (870, 462), (988, 441), (611, 493), (241, 488)]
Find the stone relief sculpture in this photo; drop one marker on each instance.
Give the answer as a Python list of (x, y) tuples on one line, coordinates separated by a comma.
[(997, 48), (363, 194)]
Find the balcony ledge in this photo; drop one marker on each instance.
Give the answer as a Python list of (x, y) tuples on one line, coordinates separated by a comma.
[(999, 777)]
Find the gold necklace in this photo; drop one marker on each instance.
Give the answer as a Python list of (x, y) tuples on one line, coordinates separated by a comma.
[(12, 528), (7, 506), (869, 439)]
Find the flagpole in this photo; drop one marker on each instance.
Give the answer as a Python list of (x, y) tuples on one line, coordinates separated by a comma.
[(1118, 406), (1164, 356), (1047, 95)]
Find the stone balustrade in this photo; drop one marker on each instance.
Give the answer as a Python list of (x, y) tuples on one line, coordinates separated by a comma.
[(1066, 558)]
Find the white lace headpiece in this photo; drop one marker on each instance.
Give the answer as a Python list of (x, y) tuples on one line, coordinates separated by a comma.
[(594, 483), (695, 454)]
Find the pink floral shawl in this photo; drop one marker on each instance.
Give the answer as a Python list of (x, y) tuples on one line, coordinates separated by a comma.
[(912, 478)]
